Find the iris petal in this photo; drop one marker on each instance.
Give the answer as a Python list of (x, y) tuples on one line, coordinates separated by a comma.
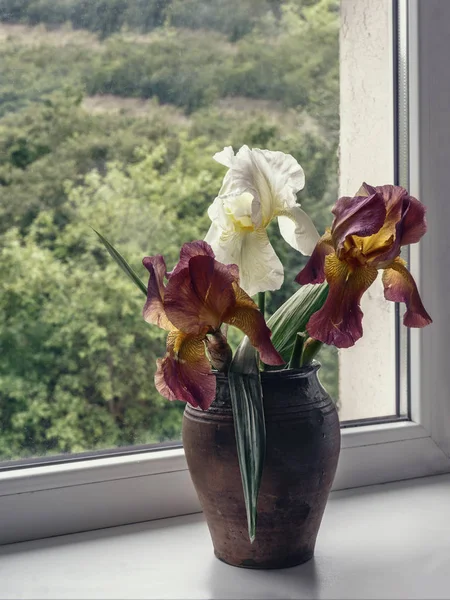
[(313, 272), (366, 190), (197, 296), (185, 373), (404, 224), (339, 321), (361, 215), (394, 196), (273, 178), (250, 173), (246, 316), (286, 177), (298, 229), (154, 311), (414, 224), (225, 157), (384, 246), (260, 269), (189, 250), (399, 286)]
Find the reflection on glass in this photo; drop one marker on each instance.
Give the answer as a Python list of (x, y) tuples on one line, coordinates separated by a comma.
[(110, 113)]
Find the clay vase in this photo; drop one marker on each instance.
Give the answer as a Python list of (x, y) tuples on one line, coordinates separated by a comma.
[(302, 450)]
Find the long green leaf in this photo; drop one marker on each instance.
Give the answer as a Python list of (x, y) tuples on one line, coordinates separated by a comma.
[(249, 426), (122, 263), (246, 391), (293, 316)]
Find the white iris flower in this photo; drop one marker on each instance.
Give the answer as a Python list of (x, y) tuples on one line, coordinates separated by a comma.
[(259, 186)]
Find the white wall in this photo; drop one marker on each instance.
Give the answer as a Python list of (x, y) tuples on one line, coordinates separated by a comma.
[(367, 371)]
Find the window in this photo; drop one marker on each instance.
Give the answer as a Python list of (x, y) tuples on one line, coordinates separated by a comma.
[(112, 123), (106, 491)]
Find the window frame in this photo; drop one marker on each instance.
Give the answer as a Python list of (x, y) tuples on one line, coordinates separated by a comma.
[(49, 500)]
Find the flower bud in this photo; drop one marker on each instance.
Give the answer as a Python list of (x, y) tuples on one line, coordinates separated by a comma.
[(220, 353)]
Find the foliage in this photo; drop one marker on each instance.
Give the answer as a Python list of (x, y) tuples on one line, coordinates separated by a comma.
[(281, 59), (278, 60), (72, 325), (77, 360), (235, 18), (170, 68)]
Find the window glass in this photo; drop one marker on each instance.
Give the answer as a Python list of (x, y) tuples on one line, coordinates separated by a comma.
[(110, 113)]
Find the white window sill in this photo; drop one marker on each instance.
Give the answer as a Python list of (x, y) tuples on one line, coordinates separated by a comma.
[(385, 541)]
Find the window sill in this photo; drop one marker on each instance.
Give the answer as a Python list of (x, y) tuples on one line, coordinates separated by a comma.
[(385, 541), (54, 500)]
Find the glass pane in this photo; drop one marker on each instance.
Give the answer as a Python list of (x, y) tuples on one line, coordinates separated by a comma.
[(110, 113)]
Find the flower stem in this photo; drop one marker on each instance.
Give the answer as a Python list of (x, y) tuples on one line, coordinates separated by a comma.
[(295, 361), (310, 349), (262, 303), (262, 308)]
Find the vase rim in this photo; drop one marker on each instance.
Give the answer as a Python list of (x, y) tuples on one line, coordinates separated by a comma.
[(281, 373)]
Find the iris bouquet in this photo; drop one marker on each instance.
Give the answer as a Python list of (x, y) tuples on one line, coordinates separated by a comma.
[(212, 285)]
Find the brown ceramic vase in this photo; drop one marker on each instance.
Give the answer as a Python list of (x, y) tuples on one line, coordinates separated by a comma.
[(302, 450)]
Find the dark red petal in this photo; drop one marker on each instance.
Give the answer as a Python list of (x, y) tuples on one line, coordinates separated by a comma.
[(313, 271), (414, 224), (405, 220), (361, 215), (399, 286), (233, 271), (197, 297), (383, 247), (339, 321), (153, 310), (394, 197), (246, 316), (188, 251), (366, 190), (185, 373)]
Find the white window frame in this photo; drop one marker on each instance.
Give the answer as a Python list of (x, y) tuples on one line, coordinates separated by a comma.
[(50, 500)]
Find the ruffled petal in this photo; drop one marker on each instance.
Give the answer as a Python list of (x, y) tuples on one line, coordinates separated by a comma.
[(384, 245), (366, 190), (232, 212), (188, 251), (399, 286), (213, 236), (314, 272), (217, 215), (251, 174), (246, 316), (185, 373), (225, 157), (362, 216), (298, 230), (272, 178), (393, 195), (339, 321), (197, 296), (289, 177), (414, 224), (260, 269), (154, 311), (404, 224)]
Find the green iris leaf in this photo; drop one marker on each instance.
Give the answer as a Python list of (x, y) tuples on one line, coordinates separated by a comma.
[(122, 263), (249, 425)]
